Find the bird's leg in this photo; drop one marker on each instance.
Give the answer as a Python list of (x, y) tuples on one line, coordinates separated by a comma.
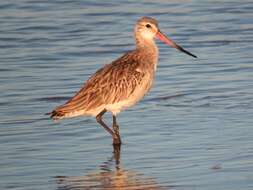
[(100, 121), (116, 155), (116, 137)]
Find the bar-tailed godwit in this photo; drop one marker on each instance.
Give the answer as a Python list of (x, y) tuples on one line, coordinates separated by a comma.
[(122, 83)]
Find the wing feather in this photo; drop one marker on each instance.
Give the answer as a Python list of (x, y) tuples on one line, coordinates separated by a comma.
[(111, 84)]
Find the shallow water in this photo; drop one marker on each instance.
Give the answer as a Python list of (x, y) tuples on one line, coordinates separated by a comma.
[(192, 131)]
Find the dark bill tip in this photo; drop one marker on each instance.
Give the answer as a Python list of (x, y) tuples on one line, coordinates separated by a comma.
[(185, 51)]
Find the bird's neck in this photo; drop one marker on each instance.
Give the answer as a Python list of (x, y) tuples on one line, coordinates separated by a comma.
[(148, 44), (148, 50)]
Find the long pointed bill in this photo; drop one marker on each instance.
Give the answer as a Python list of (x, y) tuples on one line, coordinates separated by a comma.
[(168, 41)]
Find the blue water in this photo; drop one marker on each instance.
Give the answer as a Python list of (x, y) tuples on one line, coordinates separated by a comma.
[(192, 131)]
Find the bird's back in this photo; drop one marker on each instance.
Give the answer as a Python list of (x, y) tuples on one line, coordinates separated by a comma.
[(115, 86)]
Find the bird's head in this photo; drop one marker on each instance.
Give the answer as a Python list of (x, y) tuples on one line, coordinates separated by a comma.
[(146, 29)]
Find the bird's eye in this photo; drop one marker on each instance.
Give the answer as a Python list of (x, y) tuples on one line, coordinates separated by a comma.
[(148, 25)]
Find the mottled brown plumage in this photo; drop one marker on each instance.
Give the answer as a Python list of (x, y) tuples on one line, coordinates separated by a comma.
[(120, 84), (113, 83)]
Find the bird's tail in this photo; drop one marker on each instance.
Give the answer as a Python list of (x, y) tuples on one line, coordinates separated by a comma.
[(64, 111), (76, 106), (56, 115)]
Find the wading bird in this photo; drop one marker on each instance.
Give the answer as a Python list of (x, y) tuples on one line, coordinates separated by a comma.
[(122, 83)]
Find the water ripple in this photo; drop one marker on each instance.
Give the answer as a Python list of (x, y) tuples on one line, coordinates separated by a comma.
[(192, 131)]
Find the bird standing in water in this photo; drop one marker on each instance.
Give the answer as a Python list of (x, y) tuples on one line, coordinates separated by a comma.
[(122, 83)]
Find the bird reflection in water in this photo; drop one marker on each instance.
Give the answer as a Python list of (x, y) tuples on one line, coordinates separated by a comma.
[(110, 176)]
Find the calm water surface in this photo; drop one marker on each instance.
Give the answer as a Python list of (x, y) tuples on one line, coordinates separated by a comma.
[(192, 131)]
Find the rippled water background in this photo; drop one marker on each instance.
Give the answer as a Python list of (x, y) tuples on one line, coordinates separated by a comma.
[(192, 131)]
